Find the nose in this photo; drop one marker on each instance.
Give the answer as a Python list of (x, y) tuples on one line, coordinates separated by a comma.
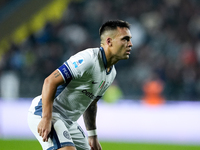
[(130, 44)]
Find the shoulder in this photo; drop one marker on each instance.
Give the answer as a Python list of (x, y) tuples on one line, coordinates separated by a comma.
[(86, 55), (89, 53), (83, 61)]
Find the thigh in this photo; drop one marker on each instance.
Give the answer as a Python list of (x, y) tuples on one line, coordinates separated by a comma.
[(79, 138), (59, 135), (33, 121)]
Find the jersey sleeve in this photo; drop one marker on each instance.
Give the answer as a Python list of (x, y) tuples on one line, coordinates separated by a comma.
[(81, 63), (65, 72)]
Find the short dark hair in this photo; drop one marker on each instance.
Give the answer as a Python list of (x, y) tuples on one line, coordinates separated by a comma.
[(112, 25)]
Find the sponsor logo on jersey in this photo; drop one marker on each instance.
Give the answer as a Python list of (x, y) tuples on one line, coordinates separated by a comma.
[(88, 94), (77, 63)]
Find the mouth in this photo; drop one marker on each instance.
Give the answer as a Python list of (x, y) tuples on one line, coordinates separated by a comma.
[(128, 52)]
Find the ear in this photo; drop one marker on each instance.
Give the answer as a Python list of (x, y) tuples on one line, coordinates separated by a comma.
[(109, 41)]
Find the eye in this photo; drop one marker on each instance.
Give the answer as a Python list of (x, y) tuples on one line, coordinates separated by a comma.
[(127, 39)]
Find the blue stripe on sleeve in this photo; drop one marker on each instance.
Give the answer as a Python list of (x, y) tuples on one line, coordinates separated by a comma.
[(65, 73)]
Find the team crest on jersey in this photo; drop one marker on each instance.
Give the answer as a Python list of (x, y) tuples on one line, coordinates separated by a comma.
[(66, 135)]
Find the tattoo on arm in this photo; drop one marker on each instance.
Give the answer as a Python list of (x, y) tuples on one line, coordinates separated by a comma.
[(90, 117), (57, 74)]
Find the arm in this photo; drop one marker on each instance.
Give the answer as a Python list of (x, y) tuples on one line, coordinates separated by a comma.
[(48, 93), (90, 122)]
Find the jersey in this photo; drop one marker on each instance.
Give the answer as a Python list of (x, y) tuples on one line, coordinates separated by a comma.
[(89, 81)]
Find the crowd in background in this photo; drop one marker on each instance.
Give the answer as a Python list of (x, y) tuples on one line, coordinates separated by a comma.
[(166, 46), (3, 3)]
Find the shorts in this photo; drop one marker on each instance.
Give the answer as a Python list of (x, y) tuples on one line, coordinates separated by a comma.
[(61, 135)]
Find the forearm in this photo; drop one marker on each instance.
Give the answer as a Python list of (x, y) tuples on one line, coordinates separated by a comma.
[(90, 117), (48, 94), (90, 122)]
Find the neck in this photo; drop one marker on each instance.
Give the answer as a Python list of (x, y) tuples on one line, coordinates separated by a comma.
[(111, 60)]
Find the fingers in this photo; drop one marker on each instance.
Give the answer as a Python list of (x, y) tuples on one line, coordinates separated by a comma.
[(44, 134), (96, 147)]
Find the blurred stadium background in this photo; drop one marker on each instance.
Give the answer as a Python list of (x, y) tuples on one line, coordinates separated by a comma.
[(156, 95)]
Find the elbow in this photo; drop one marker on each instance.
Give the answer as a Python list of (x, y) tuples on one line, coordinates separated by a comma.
[(49, 83)]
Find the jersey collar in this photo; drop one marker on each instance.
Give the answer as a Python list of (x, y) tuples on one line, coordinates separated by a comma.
[(105, 61)]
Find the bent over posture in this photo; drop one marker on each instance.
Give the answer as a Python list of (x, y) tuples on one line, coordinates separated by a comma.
[(74, 89)]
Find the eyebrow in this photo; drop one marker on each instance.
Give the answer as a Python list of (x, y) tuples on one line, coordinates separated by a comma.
[(127, 37)]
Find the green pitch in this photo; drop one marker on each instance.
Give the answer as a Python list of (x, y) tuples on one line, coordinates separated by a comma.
[(34, 145)]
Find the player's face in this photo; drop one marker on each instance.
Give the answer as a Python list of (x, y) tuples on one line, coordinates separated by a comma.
[(122, 43)]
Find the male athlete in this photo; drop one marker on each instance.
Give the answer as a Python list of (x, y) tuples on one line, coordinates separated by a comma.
[(74, 89)]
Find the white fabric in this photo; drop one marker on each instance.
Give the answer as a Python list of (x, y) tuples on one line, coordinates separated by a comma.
[(67, 134), (85, 86)]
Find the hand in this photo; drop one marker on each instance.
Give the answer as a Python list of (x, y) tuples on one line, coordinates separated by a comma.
[(94, 143), (44, 128)]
